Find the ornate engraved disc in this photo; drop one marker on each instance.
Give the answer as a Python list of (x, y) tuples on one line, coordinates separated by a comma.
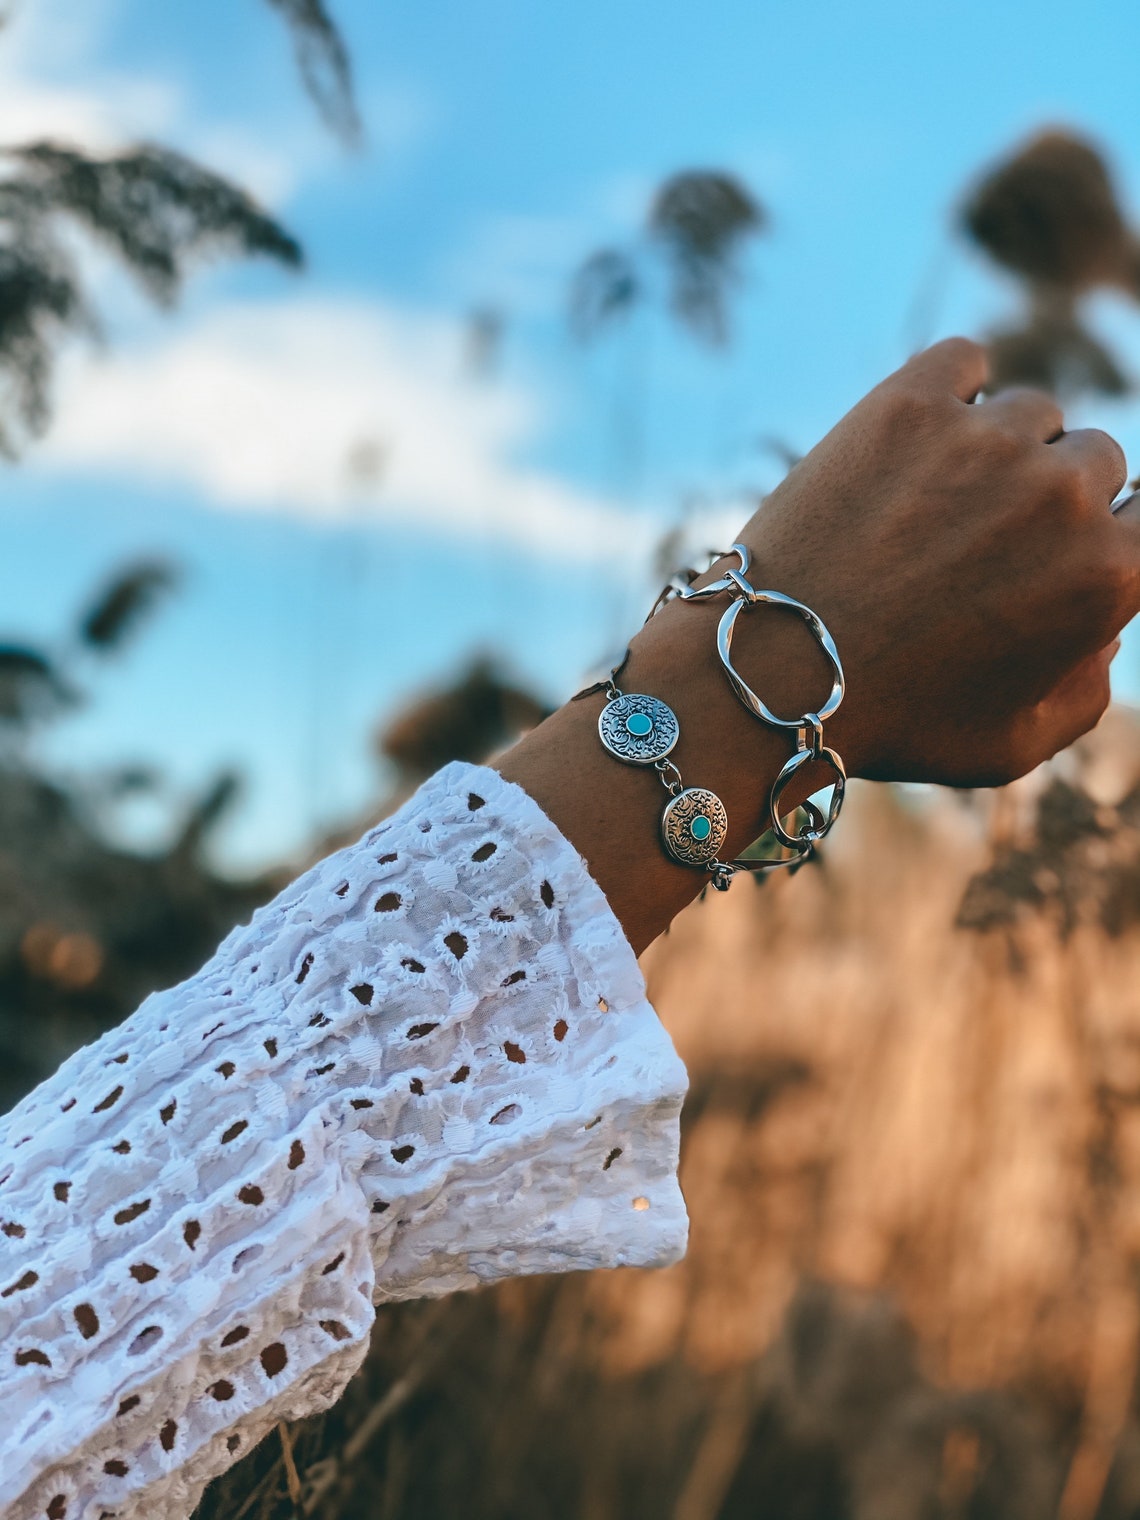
[(693, 826), (638, 729)]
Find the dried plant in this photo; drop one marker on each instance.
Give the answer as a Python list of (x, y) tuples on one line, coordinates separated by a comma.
[(470, 719), (700, 219), (32, 687), (324, 62), (605, 288), (1050, 215), (156, 212), (87, 929), (1077, 863), (697, 224), (128, 598), (1054, 352)]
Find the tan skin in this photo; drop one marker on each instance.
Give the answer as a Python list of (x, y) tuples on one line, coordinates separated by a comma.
[(968, 565)]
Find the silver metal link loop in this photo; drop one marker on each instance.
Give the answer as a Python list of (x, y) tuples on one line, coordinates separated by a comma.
[(813, 724), (807, 728), (672, 784)]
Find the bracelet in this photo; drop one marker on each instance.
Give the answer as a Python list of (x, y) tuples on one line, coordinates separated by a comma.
[(639, 729), (807, 728)]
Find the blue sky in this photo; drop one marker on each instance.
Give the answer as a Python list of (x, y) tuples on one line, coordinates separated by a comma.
[(504, 142)]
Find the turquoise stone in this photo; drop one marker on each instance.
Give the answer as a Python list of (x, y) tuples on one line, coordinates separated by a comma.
[(700, 828), (639, 724)]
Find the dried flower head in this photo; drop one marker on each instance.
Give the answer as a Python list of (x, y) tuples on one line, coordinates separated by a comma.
[(1054, 352), (1050, 214), (605, 287), (700, 218)]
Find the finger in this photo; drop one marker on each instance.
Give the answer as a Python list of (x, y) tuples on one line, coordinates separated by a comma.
[(956, 365), (1099, 458), (1029, 413)]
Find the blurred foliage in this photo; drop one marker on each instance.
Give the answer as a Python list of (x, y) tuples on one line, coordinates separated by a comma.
[(476, 716), (325, 65), (36, 684), (697, 224), (1079, 862), (31, 688), (156, 212), (485, 1408), (700, 221), (1050, 216), (122, 604), (87, 929), (605, 287), (486, 332)]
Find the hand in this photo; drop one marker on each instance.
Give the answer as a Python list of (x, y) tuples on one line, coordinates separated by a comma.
[(967, 563), (968, 566)]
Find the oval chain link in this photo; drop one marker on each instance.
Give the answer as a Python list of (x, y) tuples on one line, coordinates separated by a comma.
[(807, 728)]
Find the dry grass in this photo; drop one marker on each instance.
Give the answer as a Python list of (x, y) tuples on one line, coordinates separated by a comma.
[(912, 1157)]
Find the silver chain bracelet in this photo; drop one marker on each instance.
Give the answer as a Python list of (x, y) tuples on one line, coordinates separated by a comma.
[(807, 728), (638, 729)]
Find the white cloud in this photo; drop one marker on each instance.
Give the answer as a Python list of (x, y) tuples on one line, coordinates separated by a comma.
[(317, 407), (328, 409)]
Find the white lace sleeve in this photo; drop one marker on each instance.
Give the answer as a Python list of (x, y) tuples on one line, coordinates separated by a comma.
[(429, 1063)]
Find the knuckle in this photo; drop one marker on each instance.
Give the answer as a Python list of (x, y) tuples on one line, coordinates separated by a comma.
[(965, 350), (1112, 452)]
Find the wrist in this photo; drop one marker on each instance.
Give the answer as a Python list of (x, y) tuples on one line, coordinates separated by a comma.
[(612, 812)]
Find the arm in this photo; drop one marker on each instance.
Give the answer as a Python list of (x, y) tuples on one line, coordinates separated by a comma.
[(966, 562)]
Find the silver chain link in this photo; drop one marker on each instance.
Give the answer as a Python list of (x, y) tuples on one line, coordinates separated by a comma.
[(807, 729), (672, 784)]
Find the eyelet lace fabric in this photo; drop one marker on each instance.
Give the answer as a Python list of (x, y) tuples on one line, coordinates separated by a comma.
[(428, 1064)]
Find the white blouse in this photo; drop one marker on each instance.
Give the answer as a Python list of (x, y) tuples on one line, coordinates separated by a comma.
[(428, 1064)]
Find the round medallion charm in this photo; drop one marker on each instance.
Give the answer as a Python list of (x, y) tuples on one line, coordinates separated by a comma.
[(638, 729), (693, 826)]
